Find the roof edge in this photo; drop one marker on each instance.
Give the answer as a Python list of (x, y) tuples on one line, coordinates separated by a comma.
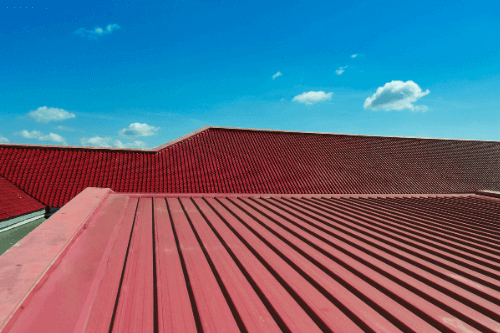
[(205, 128), (35, 146), (90, 148), (487, 193), (182, 138), (344, 134), (287, 195), (22, 272)]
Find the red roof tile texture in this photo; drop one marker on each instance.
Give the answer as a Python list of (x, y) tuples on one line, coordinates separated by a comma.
[(224, 160), (296, 263), (15, 202)]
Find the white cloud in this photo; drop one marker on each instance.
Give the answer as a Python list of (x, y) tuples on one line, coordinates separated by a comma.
[(45, 114), (354, 55), (30, 135), (312, 97), (54, 138), (64, 128), (396, 95), (3, 139), (97, 31), (138, 129), (340, 70), (96, 141), (277, 75), (39, 135), (135, 144)]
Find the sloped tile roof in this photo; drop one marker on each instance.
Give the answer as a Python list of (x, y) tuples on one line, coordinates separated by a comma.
[(15, 202), (226, 160), (300, 263)]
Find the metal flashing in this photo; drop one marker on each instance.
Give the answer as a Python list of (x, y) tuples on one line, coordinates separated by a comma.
[(21, 220), (25, 267)]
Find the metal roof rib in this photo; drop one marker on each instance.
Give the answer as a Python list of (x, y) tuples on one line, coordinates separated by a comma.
[(253, 263)]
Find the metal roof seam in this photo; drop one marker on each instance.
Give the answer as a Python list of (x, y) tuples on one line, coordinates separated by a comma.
[(155, 273), (444, 220), (433, 223), (194, 306), (411, 222), (429, 208), (227, 296), (419, 251), (376, 224), (115, 308), (425, 267), (391, 318), (314, 316), (366, 263), (282, 325), (409, 287)]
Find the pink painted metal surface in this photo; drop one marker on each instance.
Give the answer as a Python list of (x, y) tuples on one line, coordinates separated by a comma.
[(225, 160), (28, 264), (291, 263)]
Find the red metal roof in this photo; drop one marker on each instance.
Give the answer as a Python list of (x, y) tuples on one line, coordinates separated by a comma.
[(188, 262), (224, 160), (15, 202)]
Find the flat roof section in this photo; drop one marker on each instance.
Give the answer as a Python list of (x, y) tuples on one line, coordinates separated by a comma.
[(302, 263)]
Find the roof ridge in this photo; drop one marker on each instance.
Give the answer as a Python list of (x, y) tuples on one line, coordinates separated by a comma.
[(152, 150), (206, 128), (181, 138), (343, 134)]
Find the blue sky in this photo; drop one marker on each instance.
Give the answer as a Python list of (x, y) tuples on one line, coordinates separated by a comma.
[(141, 73)]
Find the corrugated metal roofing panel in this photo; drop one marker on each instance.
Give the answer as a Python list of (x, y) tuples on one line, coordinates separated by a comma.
[(222, 160), (296, 263)]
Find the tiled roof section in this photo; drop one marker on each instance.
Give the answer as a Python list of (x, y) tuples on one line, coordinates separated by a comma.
[(224, 160), (15, 202), (297, 263)]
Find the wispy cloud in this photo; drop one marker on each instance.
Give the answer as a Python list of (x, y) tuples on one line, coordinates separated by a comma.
[(97, 31), (340, 70), (97, 141), (41, 137), (312, 97), (30, 135), (64, 128), (135, 144), (45, 114), (354, 55), (138, 129), (396, 95), (3, 139), (54, 138), (277, 75)]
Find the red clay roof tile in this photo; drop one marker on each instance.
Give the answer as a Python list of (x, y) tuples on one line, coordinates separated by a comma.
[(15, 202), (253, 161)]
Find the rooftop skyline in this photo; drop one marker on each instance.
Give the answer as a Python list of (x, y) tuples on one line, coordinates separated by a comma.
[(139, 74)]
